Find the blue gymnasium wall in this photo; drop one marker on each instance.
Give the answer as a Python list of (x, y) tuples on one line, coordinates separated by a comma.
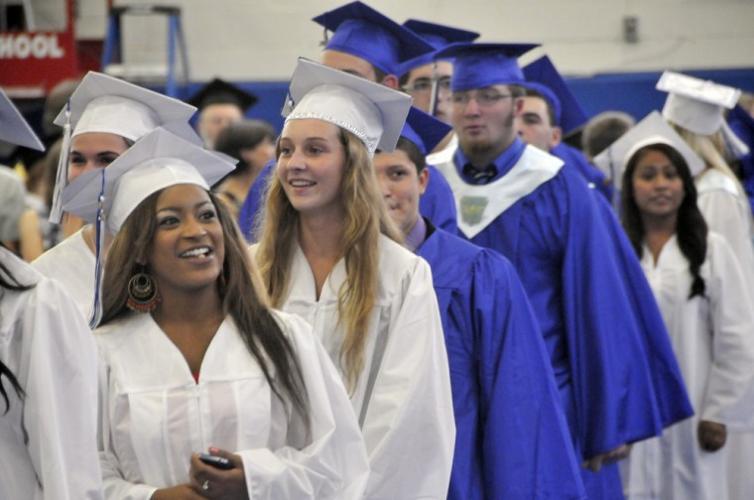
[(633, 93)]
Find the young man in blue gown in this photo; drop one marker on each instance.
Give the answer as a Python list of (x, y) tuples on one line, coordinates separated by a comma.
[(618, 378), (512, 440)]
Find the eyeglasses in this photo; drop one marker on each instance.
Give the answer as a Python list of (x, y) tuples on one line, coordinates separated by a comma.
[(424, 85), (483, 97)]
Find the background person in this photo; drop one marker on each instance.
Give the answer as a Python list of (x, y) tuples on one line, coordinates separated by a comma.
[(705, 301)]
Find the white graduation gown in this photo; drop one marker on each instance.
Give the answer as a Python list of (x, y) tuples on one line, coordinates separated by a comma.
[(153, 415), (713, 338), (72, 263), (403, 399), (48, 446)]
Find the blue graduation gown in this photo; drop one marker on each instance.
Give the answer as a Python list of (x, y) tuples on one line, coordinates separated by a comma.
[(512, 439), (436, 203), (613, 362), (573, 157)]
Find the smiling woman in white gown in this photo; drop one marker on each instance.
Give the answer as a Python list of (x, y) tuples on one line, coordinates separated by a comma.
[(193, 360), (328, 254), (702, 292)]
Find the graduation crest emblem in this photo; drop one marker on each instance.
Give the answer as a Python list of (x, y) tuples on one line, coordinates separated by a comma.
[(472, 209)]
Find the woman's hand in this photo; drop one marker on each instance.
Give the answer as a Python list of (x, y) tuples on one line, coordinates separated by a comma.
[(219, 484), (711, 435), (594, 464), (180, 492)]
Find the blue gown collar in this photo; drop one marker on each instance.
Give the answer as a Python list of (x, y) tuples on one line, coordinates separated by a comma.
[(502, 164)]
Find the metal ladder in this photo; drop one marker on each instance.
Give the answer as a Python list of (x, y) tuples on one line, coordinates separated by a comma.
[(112, 60)]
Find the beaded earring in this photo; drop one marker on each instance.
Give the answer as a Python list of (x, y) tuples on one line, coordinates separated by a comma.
[(143, 295)]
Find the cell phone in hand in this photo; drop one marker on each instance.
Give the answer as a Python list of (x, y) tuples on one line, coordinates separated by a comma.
[(215, 461)]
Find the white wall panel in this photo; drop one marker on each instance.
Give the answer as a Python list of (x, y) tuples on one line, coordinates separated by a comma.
[(260, 39)]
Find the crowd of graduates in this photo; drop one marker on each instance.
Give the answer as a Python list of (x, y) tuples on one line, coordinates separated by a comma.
[(416, 289)]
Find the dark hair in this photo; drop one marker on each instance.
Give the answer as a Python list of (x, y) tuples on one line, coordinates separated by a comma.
[(413, 153), (379, 75), (548, 105), (240, 289), (603, 130), (403, 80), (9, 282), (691, 229), (246, 134)]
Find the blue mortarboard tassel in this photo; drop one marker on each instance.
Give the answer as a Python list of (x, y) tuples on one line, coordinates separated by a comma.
[(61, 177)]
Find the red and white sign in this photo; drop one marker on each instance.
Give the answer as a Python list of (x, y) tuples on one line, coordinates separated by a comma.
[(31, 63)]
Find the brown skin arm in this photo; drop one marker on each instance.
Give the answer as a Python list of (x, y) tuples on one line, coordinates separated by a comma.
[(595, 463)]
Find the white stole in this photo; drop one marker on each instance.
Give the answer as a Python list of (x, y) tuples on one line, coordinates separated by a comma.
[(479, 205)]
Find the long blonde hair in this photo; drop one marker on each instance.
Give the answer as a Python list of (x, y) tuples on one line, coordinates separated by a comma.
[(710, 148), (365, 218)]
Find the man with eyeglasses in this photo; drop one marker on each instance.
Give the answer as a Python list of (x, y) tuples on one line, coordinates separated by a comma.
[(618, 379), (427, 80), (372, 46)]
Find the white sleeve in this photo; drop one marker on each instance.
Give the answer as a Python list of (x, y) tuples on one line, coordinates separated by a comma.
[(724, 216), (115, 486), (60, 405), (409, 428), (332, 463), (729, 396)]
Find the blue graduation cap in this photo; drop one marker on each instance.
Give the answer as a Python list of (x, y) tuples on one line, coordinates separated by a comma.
[(424, 130), (361, 31), (569, 114), (479, 65), (438, 36)]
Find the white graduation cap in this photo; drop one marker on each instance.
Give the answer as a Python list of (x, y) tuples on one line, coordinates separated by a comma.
[(695, 104), (372, 112), (13, 127), (102, 103), (652, 129), (109, 195)]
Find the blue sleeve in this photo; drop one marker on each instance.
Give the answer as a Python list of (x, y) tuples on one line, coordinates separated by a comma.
[(575, 158), (254, 202), (620, 377), (527, 448), (667, 379), (438, 203)]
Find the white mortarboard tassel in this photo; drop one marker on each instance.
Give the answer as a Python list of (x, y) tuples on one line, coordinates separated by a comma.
[(104, 104), (372, 112), (108, 196), (61, 175), (695, 104), (652, 129)]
